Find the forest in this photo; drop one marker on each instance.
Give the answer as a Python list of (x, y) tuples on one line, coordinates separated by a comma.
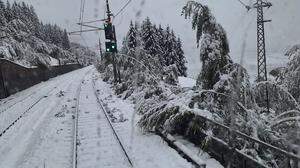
[(28, 41), (152, 59)]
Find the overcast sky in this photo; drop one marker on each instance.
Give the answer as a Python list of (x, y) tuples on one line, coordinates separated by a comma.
[(240, 25)]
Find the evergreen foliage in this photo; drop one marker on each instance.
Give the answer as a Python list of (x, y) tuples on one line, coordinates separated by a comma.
[(212, 40), (28, 41), (291, 75), (156, 44), (19, 14), (223, 94)]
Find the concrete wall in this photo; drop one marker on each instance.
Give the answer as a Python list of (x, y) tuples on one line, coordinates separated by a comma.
[(14, 77)]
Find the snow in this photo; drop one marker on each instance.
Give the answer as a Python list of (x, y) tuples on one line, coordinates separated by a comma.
[(47, 140), (232, 15), (141, 146), (43, 137), (53, 61), (186, 82), (196, 151)]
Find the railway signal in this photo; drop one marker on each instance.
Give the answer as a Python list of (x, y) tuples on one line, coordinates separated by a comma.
[(111, 47), (110, 35), (108, 29)]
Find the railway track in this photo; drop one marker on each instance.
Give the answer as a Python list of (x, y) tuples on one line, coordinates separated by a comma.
[(3, 131), (75, 139), (99, 101), (84, 121), (21, 100), (17, 100), (36, 101)]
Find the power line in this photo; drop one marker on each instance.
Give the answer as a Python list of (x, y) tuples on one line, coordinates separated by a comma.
[(244, 4), (123, 8), (82, 6)]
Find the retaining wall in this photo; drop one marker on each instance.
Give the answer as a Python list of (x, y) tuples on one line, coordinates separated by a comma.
[(14, 77)]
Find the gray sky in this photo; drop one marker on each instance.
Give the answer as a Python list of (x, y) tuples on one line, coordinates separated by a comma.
[(240, 25)]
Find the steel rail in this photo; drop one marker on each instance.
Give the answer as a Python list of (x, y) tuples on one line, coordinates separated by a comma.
[(111, 126), (31, 106), (75, 139), (27, 110), (21, 100)]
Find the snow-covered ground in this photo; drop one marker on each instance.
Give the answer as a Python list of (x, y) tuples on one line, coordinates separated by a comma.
[(43, 136), (147, 150), (186, 82)]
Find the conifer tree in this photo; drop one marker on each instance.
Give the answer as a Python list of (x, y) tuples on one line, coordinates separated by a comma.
[(214, 46), (65, 40), (131, 38), (2, 14), (161, 43), (8, 12), (180, 58), (148, 37)]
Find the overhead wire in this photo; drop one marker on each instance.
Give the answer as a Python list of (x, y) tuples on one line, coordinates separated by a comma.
[(81, 17), (248, 7), (123, 8)]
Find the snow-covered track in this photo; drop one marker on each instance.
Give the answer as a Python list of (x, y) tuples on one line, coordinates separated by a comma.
[(16, 101), (111, 126), (22, 114), (75, 139), (30, 104)]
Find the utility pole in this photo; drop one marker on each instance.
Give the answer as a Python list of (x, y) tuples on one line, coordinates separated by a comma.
[(262, 74), (100, 49), (110, 36), (111, 43)]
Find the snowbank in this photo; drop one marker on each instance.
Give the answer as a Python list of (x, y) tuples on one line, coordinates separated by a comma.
[(186, 82)]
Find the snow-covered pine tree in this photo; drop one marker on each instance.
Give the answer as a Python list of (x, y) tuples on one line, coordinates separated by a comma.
[(8, 12), (2, 14), (34, 20), (65, 40), (180, 58), (292, 73), (148, 37), (161, 43), (167, 46), (212, 40), (129, 47), (131, 39)]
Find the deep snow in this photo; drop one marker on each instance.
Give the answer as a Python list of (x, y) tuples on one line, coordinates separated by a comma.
[(44, 136)]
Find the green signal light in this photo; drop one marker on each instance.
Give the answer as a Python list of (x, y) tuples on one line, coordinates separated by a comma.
[(107, 49), (113, 47)]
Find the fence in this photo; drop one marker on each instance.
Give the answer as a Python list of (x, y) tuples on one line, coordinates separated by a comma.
[(14, 77), (220, 150)]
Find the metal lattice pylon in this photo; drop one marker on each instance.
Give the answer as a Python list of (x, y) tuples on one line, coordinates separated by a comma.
[(261, 45)]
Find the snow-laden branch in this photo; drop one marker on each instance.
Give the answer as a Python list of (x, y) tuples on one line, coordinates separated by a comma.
[(281, 88), (290, 112), (143, 65), (289, 119)]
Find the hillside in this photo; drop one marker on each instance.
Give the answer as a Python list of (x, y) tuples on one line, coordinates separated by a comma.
[(27, 41)]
